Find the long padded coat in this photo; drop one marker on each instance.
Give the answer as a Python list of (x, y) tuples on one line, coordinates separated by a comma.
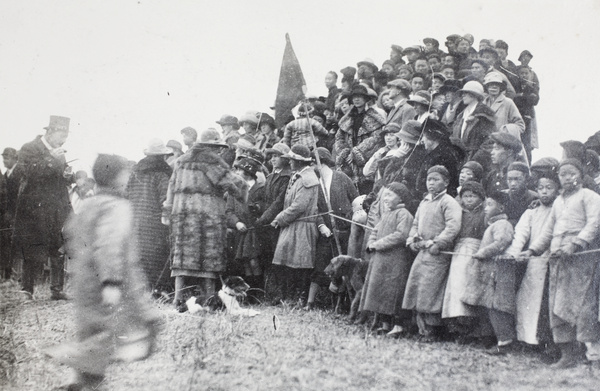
[(196, 204)]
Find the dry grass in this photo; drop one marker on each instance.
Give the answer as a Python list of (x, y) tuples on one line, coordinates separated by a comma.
[(309, 351)]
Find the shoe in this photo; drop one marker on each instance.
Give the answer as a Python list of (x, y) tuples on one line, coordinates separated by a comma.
[(396, 332), (500, 350), (59, 295)]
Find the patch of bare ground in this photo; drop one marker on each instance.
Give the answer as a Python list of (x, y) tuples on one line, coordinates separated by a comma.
[(307, 351)]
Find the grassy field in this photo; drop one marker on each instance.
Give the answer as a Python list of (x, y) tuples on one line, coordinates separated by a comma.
[(308, 351)]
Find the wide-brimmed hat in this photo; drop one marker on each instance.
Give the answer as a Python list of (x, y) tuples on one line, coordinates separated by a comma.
[(278, 149), (58, 123), (10, 152), (299, 152), (410, 132), (157, 147), (473, 87), (368, 62), (211, 138), (227, 119)]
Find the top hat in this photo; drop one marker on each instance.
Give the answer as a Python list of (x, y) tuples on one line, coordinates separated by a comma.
[(58, 123)]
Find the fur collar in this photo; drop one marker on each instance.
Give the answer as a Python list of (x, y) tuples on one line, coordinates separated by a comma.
[(153, 164)]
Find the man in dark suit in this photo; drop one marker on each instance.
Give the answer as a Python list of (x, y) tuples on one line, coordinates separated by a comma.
[(43, 205), (12, 180), (402, 111)]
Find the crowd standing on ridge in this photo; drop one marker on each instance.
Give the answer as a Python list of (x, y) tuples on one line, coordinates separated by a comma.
[(421, 167)]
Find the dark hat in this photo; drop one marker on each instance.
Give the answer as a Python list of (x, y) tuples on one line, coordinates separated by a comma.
[(469, 38), (58, 123), (500, 44), (473, 186), (267, 119), (299, 152), (508, 141), (397, 48), (400, 189), (410, 132), (434, 129), (251, 166), (254, 154), (440, 170), (278, 149), (519, 166), (211, 138), (368, 62), (432, 41), (476, 168), (451, 86), (360, 90), (574, 149), (525, 53), (500, 197), (325, 156), (107, 167), (10, 152), (489, 49), (348, 72), (572, 162), (545, 163), (227, 119)]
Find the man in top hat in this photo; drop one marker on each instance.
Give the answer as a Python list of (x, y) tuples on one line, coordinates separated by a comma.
[(399, 91), (43, 206), (12, 180)]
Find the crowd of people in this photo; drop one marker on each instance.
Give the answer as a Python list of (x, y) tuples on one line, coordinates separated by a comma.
[(422, 167)]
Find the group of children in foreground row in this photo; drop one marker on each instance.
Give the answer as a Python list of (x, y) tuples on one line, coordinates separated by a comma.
[(483, 279)]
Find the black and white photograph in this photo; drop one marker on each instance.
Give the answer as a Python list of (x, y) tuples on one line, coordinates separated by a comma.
[(299, 195)]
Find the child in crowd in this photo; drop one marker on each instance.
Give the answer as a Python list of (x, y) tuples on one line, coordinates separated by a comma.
[(492, 280), (532, 295), (470, 171), (572, 227), (458, 316), (242, 217), (436, 224), (113, 322), (390, 262)]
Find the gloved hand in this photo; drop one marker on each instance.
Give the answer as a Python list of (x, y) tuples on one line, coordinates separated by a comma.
[(324, 230)]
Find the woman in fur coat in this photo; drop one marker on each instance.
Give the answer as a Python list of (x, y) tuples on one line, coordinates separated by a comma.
[(147, 190), (195, 208)]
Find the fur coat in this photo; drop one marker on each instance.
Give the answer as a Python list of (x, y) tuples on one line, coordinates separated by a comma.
[(147, 190), (475, 138), (196, 206)]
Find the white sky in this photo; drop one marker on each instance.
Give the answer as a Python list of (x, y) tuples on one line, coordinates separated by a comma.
[(126, 71)]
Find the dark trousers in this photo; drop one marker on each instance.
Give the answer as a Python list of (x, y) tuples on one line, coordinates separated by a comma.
[(503, 324), (34, 258)]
